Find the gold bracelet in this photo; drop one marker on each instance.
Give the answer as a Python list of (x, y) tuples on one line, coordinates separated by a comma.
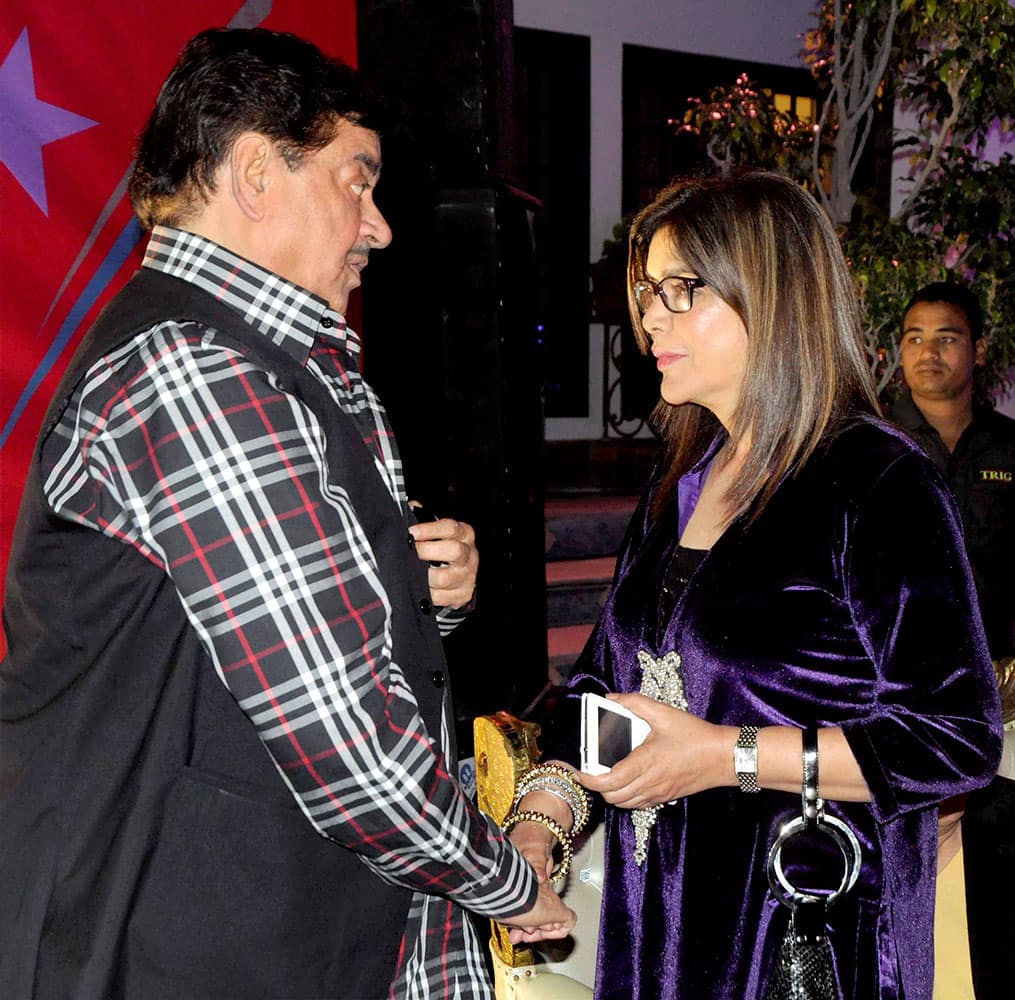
[(563, 837), (544, 777)]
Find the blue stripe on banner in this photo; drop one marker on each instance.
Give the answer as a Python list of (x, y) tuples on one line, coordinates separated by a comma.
[(125, 243)]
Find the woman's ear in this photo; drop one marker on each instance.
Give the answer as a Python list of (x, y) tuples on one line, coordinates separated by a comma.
[(249, 163)]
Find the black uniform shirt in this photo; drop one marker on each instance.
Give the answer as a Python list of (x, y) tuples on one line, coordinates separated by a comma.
[(981, 473)]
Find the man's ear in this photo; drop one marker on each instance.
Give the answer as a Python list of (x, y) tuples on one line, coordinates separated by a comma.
[(980, 353), (249, 163)]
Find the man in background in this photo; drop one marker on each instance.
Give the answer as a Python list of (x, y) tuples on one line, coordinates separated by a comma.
[(974, 446), (226, 731)]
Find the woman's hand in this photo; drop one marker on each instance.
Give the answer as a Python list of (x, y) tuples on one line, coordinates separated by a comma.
[(681, 755), (536, 845), (534, 840)]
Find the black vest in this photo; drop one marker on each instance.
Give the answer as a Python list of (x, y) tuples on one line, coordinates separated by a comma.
[(148, 846)]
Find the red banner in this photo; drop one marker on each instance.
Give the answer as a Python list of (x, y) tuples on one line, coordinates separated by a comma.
[(77, 82)]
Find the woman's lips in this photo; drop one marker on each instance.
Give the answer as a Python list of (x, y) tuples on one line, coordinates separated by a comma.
[(665, 360)]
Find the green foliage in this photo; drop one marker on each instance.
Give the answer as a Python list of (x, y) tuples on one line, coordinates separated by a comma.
[(956, 59), (969, 211), (953, 71), (890, 263)]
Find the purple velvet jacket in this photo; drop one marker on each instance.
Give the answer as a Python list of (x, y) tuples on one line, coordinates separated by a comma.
[(849, 603)]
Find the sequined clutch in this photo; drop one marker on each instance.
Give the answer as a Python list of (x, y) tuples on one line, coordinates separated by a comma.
[(803, 968)]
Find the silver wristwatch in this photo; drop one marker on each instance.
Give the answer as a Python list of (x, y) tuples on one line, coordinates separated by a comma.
[(745, 759)]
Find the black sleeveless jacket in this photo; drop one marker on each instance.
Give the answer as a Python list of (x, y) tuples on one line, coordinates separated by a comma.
[(148, 846)]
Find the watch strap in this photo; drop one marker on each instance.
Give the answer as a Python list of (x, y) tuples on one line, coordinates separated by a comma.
[(745, 759)]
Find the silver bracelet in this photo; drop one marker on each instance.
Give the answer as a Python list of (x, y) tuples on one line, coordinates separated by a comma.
[(558, 781), (555, 786)]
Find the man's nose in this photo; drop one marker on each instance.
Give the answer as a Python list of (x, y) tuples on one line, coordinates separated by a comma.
[(375, 228)]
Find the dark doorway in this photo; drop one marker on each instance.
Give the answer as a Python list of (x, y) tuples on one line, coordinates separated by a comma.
[(551, 125)]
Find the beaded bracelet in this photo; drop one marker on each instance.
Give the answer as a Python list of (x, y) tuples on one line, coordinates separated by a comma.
[(563, 837), (560, 781)]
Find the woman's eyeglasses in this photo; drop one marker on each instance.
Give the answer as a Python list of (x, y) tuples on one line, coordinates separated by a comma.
[(676, 292)]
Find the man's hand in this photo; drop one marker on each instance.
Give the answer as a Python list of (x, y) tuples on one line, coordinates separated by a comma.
[(548, 920), (536, 845), (452, 543)]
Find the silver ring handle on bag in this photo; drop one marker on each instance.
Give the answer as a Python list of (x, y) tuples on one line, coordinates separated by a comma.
[(813, 819), (832, 827)]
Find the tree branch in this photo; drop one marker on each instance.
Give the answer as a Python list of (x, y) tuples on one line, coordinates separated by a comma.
[(819, 187), (937, 144), (870, 91), (856, 82), (721, 162), (854, 103), (857, 155)]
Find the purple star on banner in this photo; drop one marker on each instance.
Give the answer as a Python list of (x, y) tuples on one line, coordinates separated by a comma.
[(27, 124)]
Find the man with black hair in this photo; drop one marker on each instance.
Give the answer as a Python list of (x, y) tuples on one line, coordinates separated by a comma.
[(974, 446), (227, 740)]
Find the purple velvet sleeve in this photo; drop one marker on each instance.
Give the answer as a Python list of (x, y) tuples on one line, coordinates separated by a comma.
[(934, 728)]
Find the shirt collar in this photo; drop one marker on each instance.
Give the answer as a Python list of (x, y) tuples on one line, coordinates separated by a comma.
[(289, 316), (692, 482), (907, 414)]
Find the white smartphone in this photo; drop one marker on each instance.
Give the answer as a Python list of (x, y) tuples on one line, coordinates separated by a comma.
[(608, 733)]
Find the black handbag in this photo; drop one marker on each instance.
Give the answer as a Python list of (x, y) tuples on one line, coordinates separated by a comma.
[(803, 968)]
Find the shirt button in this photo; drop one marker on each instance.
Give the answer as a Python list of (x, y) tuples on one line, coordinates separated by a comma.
[(327, 322), (426, 605), (438, 678), (411, 541)]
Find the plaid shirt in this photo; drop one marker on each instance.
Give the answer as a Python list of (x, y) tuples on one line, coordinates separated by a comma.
[(182, 448)]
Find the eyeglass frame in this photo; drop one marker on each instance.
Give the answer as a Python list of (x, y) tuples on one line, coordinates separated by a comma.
[(657, 290)]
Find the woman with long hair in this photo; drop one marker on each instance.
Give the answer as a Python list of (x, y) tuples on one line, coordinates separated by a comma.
[(796, 564)]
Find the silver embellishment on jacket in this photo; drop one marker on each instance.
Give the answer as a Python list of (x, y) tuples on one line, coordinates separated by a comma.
[(660, 679)]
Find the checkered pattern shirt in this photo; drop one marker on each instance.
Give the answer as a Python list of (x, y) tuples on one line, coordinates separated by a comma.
[(179, 446)]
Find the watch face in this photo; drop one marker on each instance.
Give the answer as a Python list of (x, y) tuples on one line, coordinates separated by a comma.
[(745, 759)]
